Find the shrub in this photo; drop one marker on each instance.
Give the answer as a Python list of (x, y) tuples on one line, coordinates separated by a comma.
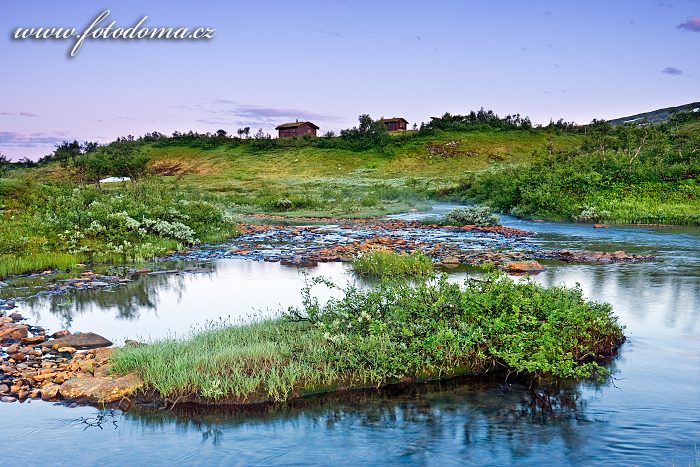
[(472, 215)]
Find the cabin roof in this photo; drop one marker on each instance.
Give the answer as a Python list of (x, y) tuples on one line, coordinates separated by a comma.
[(295, 125)]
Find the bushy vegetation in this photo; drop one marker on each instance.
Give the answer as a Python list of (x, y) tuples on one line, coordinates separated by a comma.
[(385, 263), (57, 225), (627, 173), (472, 215), (373, 337)]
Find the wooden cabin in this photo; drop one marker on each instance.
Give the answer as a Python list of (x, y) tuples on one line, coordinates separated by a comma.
[(394, 124), (294, 129)]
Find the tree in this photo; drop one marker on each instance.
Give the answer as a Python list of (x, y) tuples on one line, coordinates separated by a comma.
[(66, 152), (369, 134), (122, 158), (221, 133), (246, 131)]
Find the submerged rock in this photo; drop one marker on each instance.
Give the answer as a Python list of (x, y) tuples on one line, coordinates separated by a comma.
[(524, 267), (100, 389)]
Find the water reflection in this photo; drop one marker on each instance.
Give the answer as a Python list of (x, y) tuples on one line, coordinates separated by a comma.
[(410, 422)]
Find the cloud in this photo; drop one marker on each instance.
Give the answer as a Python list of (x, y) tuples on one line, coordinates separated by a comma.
[(672, 70), (692, 23), (18, 114), (29, 140), (336, 34)]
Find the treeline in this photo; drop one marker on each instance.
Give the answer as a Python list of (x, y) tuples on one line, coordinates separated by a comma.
[(639, 166), (369, 134)]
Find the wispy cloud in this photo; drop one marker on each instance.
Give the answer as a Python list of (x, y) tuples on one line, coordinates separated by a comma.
[(335, 34), (692, 23), (672, 70), (18, 114)]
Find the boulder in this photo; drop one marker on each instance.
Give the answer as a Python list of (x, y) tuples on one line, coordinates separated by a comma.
[(61, 333), (34, 340), (80, 341), (49, 392), (524, 267), (100, 389), (15, 332)]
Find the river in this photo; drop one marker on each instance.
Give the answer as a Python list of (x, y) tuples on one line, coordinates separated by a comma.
[(649, 414)]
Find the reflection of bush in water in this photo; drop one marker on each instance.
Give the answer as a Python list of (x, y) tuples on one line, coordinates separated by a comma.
[(482, 410), (128, 300)]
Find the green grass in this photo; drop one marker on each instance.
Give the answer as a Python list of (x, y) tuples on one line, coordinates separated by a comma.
[(340, 182), (383, 263), (372, 337), (11, 265)]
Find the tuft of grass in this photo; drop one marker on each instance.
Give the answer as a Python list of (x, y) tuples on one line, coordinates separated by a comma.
[(11, 265), (383, 263), (372, 337)]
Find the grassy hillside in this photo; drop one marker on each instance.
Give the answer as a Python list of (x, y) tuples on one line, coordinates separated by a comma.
[(343, 182)]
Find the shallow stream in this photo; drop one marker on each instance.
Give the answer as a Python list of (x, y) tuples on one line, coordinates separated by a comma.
[(648, 415)]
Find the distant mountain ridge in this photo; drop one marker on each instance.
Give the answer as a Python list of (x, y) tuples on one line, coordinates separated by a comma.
[(657, 116)]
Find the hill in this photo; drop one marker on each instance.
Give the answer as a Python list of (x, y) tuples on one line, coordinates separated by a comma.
[(656, 116)]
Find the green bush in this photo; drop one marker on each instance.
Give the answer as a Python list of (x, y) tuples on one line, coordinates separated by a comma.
[(472, 215)]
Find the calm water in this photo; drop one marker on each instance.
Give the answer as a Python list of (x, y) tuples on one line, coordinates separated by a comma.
[(649, 416)]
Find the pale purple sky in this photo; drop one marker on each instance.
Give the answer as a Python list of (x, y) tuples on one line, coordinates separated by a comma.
[(329, 61)]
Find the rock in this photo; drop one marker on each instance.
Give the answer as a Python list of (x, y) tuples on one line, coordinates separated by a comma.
[(66, 349), (102, 354), (524, 266), (80, 341), (16, 317), (18, 357), (14, 348), (450, 260), (3, 284), (99, 284), (100, 389), (61, 333), (600, 226), (33, 340), (49, 392), (4, 389), (131, 343), (8, 399), (15, 332)]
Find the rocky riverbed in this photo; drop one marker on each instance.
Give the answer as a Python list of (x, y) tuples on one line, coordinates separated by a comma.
[(448, 246), (59, 366)]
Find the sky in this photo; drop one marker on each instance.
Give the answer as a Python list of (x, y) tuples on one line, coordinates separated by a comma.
[(329, 61)]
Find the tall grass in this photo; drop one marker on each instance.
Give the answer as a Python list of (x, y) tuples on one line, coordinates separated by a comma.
[(11, 265), (383, 263)]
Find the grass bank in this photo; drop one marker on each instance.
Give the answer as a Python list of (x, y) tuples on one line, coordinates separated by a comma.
[(625, 174), (57, 225), (374, 337)]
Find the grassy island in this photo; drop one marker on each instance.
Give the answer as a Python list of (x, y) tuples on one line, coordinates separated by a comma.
[(391, 333)]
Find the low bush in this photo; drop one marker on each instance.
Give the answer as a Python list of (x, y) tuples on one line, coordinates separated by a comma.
[(472, 215)]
